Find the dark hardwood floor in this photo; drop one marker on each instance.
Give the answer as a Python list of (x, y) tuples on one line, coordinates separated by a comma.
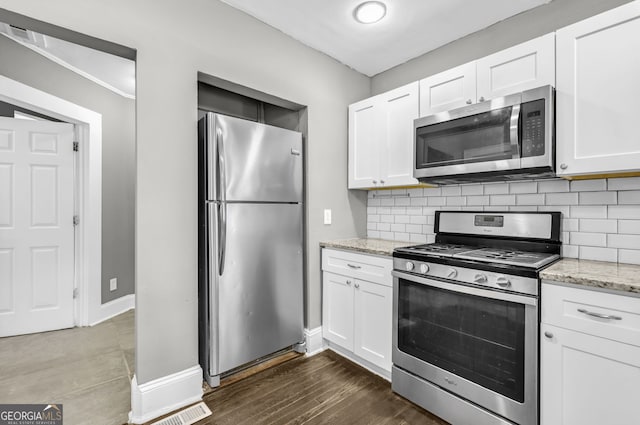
[(323, 389)]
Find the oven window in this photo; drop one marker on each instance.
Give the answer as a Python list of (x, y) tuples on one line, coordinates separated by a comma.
[(477, 338), (478, 138)]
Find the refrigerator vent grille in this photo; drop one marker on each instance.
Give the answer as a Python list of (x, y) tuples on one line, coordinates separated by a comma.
[(186, 417)]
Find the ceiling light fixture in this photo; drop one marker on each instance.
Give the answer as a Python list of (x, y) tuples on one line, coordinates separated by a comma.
[(370, 12)]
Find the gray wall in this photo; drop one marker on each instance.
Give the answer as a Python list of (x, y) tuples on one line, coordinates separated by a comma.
[(507, 33), (118, 148), (174, 41)]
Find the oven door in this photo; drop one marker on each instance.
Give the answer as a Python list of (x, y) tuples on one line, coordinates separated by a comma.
[(479, 344)]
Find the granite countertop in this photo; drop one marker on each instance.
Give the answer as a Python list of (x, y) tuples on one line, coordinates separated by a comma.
[(367, 246), (597, 274)]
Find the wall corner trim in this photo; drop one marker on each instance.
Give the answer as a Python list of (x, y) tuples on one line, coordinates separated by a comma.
[(163, 395), (313, 337)]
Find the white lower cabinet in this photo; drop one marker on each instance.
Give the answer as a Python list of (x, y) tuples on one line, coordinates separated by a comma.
[(357, 313), (589, 376)]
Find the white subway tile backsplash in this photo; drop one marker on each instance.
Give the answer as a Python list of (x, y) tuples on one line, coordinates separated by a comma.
[(533, 199), (598, 225), (629, 197), (436, 200), (451, 191), (502, 199), (598, 254), (456, 200), (623, 241), (432, 191), (624, 211), (629, 227), (630, 256), (523, 187), (587, 239), (588, 185), (598, 198), (547, 186), (588, 211), (601, 218), (496, 188), (561, 199), (628, 183), (471, 189)]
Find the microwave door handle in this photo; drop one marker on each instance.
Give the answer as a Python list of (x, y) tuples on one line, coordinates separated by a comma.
[(515, 131)]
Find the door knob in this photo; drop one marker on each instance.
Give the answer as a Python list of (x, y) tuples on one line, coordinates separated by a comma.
[(548, 334), (357, 285), (563, 166), (481, 99), (469, 102)]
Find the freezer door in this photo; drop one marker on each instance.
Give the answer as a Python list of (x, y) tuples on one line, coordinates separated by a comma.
[(260, 297), (255, 162)]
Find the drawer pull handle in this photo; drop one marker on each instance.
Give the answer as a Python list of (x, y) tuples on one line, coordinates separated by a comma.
[(599, 315), (353, 266)]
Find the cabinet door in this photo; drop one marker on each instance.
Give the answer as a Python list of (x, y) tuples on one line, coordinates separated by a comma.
[(522, 67), (447, 90), (365, 140), (337, 309), (400, 109), (586, 380), (598, 64), (372, 323)]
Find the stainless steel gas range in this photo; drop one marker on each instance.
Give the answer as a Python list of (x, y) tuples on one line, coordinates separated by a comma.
[(465, 319)]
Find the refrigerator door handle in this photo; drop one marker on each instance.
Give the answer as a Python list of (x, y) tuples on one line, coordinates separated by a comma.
[(222, 217)]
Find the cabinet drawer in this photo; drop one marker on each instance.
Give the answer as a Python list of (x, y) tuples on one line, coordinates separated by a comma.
[(360, 266), (578, 309)]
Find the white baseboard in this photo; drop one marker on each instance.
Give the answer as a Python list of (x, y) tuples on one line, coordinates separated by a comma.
[(313, 337), (114, 308), (163, 395)]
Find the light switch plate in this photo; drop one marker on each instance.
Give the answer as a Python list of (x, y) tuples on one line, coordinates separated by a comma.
[(113, 284), (327, 216)]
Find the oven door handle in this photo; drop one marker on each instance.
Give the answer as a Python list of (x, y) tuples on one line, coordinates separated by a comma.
[(497, 295)]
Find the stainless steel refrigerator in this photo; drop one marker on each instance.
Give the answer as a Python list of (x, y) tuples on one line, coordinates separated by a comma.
[(251, 242)]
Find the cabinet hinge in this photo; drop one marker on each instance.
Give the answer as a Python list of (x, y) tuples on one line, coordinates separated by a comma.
[(76, 146), (75, 293), (76, 220)]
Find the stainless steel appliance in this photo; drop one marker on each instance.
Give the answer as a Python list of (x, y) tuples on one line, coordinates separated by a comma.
[(504, 138), (251, 239), (465, 318)]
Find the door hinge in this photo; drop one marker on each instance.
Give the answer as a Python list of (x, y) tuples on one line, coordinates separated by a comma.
[(75, 293), (76, 146), (76, 220)]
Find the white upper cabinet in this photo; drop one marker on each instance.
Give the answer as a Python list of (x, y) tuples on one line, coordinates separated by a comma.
[(518, 68), (448, 90), (381, 139), (598, 92)]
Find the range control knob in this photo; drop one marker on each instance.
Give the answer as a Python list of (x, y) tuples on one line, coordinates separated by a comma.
[(503, 281), (480, 278), (409, 266), (424, 269), (452, 273)]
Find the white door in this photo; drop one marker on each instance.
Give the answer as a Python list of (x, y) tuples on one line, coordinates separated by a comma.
[(400, 109), (337, 309), (518, 68), (364, 143), (373, 322), (448, 90), (597, 107), (586, 380), (36, 226)]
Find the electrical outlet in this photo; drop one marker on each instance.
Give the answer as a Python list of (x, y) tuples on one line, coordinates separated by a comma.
[(113, 284), (327, 216)]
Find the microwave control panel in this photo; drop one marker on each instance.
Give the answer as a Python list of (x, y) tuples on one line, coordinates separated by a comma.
[(533, 131)]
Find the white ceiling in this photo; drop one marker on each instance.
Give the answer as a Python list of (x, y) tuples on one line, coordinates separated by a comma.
[(410, 29)]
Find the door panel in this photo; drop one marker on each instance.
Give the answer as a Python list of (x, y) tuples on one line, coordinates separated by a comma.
[(372, 323), (337, 309), (448, 90), (261, 162), (260, 290), (36, 226), (364, 143)]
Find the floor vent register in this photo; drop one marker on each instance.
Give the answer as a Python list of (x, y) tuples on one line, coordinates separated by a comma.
[(187, 416)]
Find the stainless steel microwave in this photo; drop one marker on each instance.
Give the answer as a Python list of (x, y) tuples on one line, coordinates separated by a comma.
[(511, 137)]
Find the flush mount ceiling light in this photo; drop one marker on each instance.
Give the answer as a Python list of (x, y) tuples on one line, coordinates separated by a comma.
[(370, 12)]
